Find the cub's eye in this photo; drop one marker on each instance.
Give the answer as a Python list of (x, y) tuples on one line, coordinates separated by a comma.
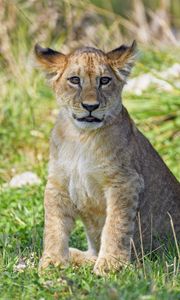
[(105, 80), (74, 80)]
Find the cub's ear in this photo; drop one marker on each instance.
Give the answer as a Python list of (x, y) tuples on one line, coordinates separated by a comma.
[(122, 60), (51, 61)]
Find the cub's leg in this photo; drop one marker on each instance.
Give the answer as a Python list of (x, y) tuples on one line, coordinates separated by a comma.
[(122, 201), (59, 220), (93, 226)]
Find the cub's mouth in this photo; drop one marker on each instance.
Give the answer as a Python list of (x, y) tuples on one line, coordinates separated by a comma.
[(88, 118)]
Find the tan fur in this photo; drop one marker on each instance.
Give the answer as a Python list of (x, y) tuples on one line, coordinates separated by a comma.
[(105, 172)]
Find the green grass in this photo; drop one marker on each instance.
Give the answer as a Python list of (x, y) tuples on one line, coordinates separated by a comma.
[(28, 112), (21, 238)]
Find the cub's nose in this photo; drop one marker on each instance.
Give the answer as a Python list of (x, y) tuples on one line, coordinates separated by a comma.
[(90, 108)]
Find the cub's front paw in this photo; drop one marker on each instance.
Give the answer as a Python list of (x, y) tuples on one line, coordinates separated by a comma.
[(55, 260), (80, 258), (107, 264)]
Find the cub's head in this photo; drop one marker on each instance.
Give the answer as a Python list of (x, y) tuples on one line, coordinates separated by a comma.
[(88, 82)]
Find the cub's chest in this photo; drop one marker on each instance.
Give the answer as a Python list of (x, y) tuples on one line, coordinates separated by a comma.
[(82, 171)]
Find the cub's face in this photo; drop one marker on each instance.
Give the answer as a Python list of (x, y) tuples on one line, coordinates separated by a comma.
[(88, 82), (89, 89)]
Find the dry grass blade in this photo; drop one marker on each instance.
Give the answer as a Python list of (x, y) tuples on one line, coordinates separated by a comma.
[(141, 241), (174, 234), (135, 252)]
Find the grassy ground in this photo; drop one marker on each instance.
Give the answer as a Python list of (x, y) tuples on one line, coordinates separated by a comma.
[(28, 113)]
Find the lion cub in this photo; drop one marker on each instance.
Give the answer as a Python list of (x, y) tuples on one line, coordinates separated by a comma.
[(101, 167)]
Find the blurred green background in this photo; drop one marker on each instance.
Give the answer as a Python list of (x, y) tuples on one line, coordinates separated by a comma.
[(27, 114)]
